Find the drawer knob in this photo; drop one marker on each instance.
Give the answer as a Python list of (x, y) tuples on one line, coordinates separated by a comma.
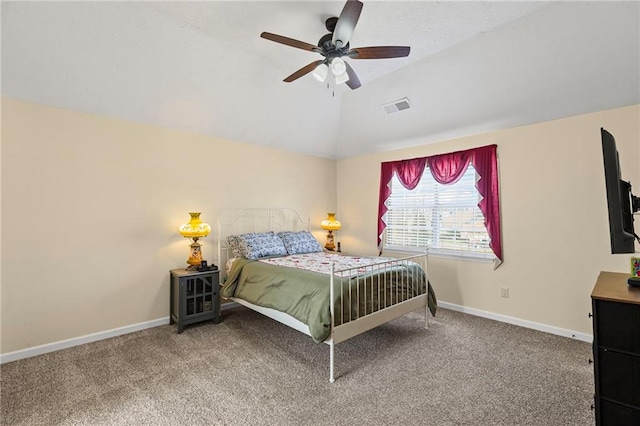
[(590, 314), (590, 361), (593, 407)]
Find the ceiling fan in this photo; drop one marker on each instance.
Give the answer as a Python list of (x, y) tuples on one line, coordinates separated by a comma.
[(335, 45)]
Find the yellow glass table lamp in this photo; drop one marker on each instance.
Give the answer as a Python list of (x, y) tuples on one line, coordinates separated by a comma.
[(195, 230), (330, 224)]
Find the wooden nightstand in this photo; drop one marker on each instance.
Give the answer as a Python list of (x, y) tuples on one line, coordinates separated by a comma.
[(194, 297)]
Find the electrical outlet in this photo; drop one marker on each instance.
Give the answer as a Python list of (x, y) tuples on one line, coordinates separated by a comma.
[(504, 292)]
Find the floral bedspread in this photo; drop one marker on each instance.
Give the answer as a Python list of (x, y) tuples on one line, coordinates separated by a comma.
[(321, 262)]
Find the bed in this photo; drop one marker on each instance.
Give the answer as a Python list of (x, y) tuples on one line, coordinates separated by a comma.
[(271, 263)]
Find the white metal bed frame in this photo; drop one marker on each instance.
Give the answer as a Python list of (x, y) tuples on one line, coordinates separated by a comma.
[(240, 221)]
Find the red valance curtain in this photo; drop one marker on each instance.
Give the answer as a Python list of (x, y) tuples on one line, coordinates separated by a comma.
[(448, 169)]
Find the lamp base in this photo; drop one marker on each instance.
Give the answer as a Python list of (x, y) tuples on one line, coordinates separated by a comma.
[(330, 245), (195, 256)]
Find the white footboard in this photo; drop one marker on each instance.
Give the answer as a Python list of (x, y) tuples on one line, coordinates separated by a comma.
[(388, 290)]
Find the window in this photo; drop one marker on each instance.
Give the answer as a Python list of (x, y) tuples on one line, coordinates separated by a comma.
[(444, 218), (441, 220)]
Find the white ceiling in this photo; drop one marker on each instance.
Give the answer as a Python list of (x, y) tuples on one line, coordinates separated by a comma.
[(201, 67)]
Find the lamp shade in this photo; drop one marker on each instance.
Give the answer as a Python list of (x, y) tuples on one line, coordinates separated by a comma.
[(341, 78), (330, 223), (321, 71), (338, 66), (196, 228)]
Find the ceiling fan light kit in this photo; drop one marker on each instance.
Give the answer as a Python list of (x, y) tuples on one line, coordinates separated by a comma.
[(338, 71), (335, 45)]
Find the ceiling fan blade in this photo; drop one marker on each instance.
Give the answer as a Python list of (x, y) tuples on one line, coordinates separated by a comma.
[(303, 71), (354, 81), (291, 42), (346, 23), (379, 52)]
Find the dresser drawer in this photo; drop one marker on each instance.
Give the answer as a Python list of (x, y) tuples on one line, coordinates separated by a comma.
[(618, 326), (612, 414), (619, 377)]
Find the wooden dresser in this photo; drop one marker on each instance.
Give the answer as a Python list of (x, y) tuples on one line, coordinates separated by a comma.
[(616, 350)]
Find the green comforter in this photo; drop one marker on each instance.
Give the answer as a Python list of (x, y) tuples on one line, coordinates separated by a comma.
[(304, 294)]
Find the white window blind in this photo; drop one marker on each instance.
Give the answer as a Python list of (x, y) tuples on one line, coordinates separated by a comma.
[(443, 218)]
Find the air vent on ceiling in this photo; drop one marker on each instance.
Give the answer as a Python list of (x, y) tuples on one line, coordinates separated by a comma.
[(396, 106)]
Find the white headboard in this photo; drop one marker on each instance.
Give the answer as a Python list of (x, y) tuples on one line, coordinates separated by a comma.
[(242, 221)]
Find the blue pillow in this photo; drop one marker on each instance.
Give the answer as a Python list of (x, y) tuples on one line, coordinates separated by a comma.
[(300, 242), (256, 245)]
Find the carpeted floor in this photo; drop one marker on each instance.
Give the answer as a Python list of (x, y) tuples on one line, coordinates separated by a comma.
[(250, 370)]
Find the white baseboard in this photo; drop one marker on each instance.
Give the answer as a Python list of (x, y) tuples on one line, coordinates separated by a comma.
[(69, 343), (94, 337), (519, 322), (228, 304)]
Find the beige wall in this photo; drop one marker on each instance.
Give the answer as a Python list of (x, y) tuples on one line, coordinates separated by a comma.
[(554, 217), (91, 207)]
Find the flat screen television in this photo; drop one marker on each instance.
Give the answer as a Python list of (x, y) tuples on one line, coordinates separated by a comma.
[(622, 204)]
